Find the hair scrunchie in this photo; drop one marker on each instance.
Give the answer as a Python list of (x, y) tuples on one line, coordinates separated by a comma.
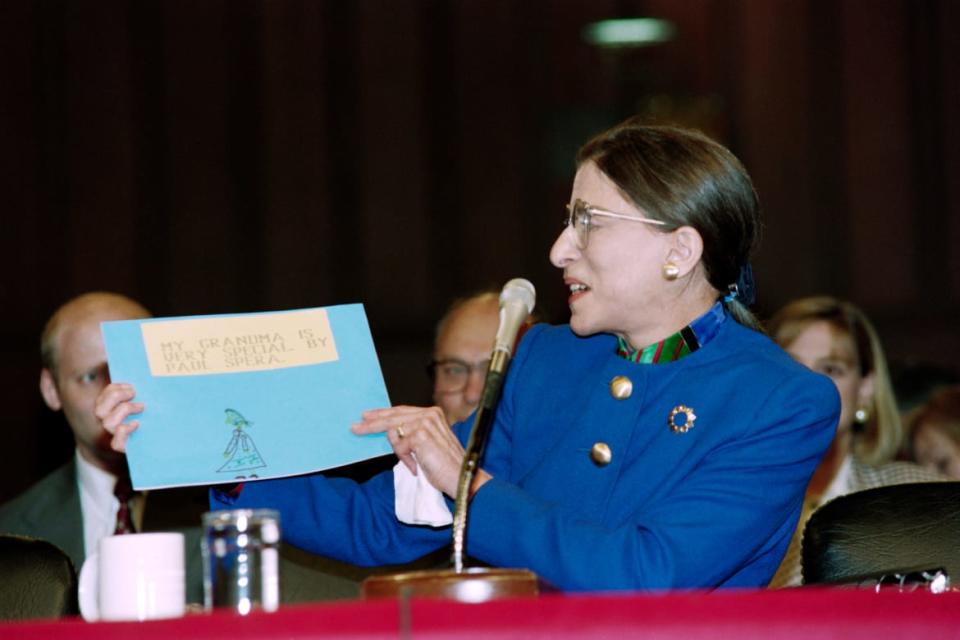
[(744, 289)]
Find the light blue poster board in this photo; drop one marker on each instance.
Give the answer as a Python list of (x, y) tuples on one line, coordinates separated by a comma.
[(247, 396)]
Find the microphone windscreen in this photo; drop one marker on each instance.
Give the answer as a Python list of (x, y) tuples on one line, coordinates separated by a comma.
[(516, 302), (519, 289)]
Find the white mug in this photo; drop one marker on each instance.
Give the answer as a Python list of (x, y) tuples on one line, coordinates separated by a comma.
[(135, 576)]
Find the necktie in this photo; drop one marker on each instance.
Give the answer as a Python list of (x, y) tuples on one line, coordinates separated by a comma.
[(123, 491)]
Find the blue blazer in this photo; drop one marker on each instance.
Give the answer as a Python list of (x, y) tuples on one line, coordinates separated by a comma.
[(713, 506)]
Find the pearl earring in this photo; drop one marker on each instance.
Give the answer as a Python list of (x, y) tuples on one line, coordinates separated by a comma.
[(861, 415), (670, 271)]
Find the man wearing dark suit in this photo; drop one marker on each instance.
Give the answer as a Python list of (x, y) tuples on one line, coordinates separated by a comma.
[(75, 506)]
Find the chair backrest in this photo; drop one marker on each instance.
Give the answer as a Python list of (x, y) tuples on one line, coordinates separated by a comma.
[(37, 579), (892, 529)]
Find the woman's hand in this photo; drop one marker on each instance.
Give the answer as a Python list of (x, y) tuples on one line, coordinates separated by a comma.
[(112, 407), (421, 435)]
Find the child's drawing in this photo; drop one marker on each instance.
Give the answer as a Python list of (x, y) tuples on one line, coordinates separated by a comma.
[(241, 452)]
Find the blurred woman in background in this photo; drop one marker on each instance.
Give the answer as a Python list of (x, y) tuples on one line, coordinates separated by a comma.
[(935, 433), (835, 338)]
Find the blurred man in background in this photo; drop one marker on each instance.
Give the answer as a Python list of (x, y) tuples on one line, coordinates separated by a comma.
[(461, 353), (89, 497)]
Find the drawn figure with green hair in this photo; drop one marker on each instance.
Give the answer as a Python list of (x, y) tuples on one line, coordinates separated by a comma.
[(241, 452)]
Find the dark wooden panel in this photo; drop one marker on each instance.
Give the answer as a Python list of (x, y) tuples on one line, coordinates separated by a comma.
[(252, 154), (949, 130), (881, 192), (298, 230), (396, 280), (775, 103)]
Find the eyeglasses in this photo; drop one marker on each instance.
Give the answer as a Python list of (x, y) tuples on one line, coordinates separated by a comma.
[(451, 374), (581, 214)]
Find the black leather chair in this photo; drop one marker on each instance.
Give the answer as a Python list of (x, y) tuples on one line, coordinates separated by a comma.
[(37, 580), (896, 529)]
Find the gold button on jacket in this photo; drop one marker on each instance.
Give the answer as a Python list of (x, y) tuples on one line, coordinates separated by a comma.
[(621, 387), (601, 454)]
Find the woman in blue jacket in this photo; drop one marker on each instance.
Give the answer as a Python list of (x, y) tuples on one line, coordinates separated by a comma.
[(658, 441)]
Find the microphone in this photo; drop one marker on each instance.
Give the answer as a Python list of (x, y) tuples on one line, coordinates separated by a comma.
[(516, 303)]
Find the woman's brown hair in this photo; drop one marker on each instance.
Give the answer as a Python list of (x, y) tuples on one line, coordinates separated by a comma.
[(684, 178)]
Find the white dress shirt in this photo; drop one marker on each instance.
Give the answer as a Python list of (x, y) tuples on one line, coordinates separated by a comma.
[(97, 503)]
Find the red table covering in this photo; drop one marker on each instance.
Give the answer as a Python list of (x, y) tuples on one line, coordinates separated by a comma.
[(794, 613)]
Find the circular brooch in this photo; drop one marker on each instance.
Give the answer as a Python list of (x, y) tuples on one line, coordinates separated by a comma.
[(681, 419)]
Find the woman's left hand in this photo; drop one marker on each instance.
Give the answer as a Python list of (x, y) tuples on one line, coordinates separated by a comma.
[(420, 435)]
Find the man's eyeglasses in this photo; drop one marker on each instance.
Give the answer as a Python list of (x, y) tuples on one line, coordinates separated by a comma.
[(580, 215), (451, 374)]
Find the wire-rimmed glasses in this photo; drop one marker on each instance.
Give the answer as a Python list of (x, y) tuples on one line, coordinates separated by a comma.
[(581, 214)]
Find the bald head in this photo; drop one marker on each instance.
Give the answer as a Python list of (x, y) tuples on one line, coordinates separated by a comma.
[(476, 310), (75, 368), (465, 337), (97, 307)]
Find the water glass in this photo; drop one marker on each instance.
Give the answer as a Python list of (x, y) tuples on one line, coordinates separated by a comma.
[(241, 560)]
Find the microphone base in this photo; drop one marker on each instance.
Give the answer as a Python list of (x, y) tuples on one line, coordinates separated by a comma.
[(474, 584)]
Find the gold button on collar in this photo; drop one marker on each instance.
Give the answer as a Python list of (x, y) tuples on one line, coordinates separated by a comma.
[(601, 454), (621, 387)]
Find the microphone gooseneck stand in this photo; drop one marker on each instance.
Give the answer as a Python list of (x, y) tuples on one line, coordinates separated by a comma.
[(474, 450), (474, 584)]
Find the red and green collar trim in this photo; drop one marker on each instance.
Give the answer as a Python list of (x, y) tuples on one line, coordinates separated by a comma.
[(679, 345)]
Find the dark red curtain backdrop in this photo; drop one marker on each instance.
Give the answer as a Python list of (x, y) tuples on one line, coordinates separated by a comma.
[(238, 155)]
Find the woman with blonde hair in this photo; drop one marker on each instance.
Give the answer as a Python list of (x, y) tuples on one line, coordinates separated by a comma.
[(835, 338)]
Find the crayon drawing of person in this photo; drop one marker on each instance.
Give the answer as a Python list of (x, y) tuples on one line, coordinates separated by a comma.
[(241, 452)]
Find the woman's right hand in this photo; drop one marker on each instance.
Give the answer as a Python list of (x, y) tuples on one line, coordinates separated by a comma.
[(112, 407)]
